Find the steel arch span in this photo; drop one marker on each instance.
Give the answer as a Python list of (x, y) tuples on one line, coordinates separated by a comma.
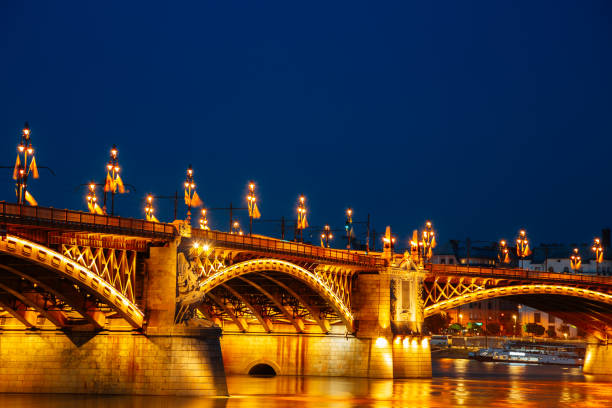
[(518, 290), (309, 278), (79, 275)]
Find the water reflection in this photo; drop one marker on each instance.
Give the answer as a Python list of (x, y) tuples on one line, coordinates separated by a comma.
[(455, 383)]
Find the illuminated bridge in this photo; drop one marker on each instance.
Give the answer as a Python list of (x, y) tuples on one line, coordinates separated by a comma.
[(169, 309)]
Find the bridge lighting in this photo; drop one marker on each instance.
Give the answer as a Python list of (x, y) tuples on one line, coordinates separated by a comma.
[(348, 226), (204, 220), (191, 196), (252, 206), (25, 165), (575, 260), (149, 210), (381, 342), (113, 183), (522, 246), (302, 223), (503, 256), (428, 241), (425, 342), (326, 236), (598, 249)]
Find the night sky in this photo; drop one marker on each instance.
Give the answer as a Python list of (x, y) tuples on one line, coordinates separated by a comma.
[(483, 117)]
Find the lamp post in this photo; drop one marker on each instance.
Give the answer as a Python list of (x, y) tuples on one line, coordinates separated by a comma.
[(204, 220), (598, 249), (326, 236), (191, 196), (113, 182), (24, 166), (503, 256), (252, 206), (149, 210), (575, 260), (514, 330), (429, 241), (236, 228), (348, 226), (522, 246), (301, 217)]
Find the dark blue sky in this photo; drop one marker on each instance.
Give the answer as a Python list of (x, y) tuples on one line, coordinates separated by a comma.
[(483, 117)]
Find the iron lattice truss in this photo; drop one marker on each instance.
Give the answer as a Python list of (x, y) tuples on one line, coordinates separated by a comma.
[(277, 294), (446, 288), (115, 266)]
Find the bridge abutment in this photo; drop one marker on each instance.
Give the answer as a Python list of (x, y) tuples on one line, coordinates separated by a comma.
[(187, 363), (598, 359)]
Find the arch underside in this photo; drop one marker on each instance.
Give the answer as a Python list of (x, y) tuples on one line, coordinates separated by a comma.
[(41, 288), (587, 309), (272, 296)]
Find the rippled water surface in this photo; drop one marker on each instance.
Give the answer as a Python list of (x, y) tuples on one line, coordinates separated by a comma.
[(455, 383)]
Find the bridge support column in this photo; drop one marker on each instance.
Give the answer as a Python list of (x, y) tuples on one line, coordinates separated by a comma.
[(379, 300), (598, 359)]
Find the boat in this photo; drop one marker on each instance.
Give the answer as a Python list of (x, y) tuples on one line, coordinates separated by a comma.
[(533, 353)]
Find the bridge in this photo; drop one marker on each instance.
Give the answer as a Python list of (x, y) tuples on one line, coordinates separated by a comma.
[(118, 305)]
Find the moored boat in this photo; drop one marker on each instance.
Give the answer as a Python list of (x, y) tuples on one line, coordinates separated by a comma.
[(533, 353)]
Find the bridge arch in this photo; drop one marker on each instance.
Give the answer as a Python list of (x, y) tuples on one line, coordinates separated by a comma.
[(518, 290), (592, 310), (62, 266), (311, 279)]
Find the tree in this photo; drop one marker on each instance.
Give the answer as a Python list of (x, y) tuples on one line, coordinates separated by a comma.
[(455, 327), (551, 332), (535, 329)]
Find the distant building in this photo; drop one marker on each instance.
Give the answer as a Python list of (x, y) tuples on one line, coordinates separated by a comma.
[(556, 258), (529, 315)]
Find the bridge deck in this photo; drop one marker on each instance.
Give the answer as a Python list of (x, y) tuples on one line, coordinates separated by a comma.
[(82, 221), (293, 249), (516, 274)]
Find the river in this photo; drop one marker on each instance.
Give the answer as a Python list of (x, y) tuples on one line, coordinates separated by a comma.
[(455, 382)]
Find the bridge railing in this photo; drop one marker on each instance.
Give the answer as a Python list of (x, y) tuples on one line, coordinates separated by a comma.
[(517, 273), (290, 248), (43, 215)]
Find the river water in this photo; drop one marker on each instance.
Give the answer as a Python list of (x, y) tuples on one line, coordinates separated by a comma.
[(455, 382)]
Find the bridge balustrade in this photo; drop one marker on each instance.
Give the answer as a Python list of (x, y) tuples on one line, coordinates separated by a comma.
[(43, 215), (292, 248), (517, 273)]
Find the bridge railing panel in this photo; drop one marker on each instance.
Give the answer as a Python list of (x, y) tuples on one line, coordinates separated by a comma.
[(515, 273), (33, 214), (269, 244)]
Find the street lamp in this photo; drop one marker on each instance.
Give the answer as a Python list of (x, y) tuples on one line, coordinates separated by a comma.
[(252, 206), (191, 196), (204, 220), (522, 246), (514, 330), (598, 249), (302, 223), (149, 210), (575, 260), (503, 255), (113, 183), (429, 241), (92, 200), (348, 226), (236, 228), (326, 236), (22, 170)]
